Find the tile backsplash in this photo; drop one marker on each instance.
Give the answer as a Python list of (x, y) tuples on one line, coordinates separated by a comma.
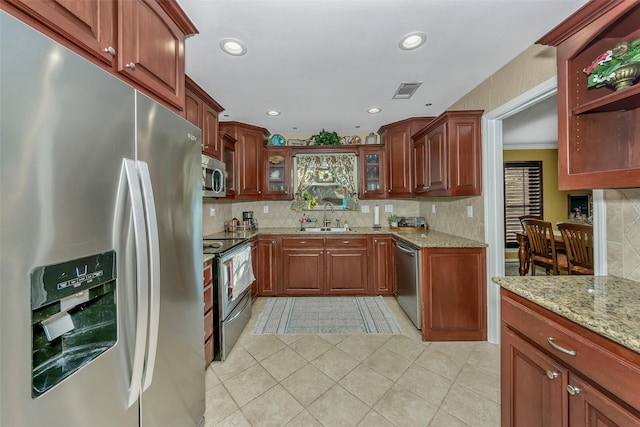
[(623, 233), (280, 214)]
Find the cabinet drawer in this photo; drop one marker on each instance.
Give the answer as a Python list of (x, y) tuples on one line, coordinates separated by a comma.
[(303, 242), (208, 324), (351, 242), (611, 365), (208, 272), (208, 298)]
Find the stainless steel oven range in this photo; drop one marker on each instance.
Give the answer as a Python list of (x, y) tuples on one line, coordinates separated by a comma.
[(232, 278)]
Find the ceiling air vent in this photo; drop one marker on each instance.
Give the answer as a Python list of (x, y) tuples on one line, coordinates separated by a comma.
[(406, 90)]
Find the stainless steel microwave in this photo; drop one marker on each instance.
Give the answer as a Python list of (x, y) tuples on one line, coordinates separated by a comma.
[(214, 175)]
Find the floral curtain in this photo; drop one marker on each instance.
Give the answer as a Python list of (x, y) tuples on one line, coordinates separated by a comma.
[(327, 177)]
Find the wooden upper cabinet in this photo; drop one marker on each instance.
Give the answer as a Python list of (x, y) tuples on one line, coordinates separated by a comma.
[(397, 140), (598, 132), (89, 25), (139, 41), (151, 49), (202, 110), (250, 141), (451, 155)]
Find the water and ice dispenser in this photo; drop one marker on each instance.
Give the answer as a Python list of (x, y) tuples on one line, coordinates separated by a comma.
[(73, 316)]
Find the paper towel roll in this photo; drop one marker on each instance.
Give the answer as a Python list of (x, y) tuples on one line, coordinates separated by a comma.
[(376, 215)]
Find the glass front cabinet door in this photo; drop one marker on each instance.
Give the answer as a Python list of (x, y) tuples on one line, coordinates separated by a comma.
[(278, 175), (372, 173)]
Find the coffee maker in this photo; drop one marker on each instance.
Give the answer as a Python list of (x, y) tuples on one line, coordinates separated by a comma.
[(248, 222)]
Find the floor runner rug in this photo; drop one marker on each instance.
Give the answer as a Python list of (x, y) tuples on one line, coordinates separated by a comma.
[(326, 315)]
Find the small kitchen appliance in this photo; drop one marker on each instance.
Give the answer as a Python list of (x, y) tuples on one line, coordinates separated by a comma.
[(214, 178)]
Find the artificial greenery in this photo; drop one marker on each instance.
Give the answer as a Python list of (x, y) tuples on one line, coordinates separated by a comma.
[(394, 218), (603, 67), (326, 138)]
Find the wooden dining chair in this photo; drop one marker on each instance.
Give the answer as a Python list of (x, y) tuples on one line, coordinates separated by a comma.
[(543, 247), (578, 241)]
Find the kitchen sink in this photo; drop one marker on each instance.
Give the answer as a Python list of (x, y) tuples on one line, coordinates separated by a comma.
[(325, 230)]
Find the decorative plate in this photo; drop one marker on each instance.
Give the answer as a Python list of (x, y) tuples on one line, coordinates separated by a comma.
[(277, 139)]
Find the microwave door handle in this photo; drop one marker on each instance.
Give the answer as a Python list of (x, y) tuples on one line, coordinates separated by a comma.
[(142, 280), (154, 271)]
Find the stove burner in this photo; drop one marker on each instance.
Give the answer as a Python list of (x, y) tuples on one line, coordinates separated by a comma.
[(215, 245)]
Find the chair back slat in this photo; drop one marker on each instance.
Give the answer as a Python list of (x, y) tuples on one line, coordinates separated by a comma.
[(541, 243), (578, 239)]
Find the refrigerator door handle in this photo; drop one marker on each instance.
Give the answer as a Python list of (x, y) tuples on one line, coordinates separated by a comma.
[(142, 279), (154, 267)]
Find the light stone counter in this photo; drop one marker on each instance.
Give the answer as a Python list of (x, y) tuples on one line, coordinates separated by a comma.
[(427, 239), (608, 306)]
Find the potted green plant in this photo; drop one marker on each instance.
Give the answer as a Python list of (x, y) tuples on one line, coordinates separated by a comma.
[(617, 67), (326, 138), (394, 220)]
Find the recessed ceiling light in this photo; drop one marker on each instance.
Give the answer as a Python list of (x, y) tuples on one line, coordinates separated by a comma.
[(412, 40), (273, 113), (374, 110), (233, 47)]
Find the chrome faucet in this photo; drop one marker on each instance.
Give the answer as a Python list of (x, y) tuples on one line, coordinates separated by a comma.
[(325, 221)]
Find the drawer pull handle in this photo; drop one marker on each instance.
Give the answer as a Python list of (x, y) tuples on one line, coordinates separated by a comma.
[(346, 242), (559, 348), (572, 390), (302, 242), (552, 375)]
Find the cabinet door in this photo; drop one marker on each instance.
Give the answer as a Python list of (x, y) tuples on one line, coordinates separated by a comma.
[(533, 385), (303, 266), (420, 166), (193, 109), (210, 139), (346, 271), (88, 24), (151, 49), (277, 175), (268, 266), (454, 294), (248, 161), (254, 265), (382, 263), (373, 173), (589, 407), (303, 271), (436, 161), (229, 159), (398, 150)]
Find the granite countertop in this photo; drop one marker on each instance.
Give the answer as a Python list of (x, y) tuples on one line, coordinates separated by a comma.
[(607, 305), (426, 239)]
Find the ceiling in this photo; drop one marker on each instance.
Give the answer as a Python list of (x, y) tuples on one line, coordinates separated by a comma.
[(324, 63), (533, 128)]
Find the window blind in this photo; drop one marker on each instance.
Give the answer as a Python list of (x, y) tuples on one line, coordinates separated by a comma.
[(522, 196)]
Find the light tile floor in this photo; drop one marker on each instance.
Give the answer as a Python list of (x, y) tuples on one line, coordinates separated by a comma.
[(354, 380)]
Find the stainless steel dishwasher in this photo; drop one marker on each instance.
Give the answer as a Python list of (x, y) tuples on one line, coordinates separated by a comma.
[(409, 281)]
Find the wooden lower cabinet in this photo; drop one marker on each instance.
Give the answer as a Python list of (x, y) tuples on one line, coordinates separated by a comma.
[(454, 294), (382, 265), (324, 266), (346, 265), (208, 311), (594, 382), (303, 265), (268, 266)]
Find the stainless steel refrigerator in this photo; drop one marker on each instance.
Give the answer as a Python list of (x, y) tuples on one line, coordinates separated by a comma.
[(101, 304)]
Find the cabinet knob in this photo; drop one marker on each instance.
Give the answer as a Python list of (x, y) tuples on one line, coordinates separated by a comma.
[(111, 51), (389, 190), (573, 390), (552, 375), (131, 65)]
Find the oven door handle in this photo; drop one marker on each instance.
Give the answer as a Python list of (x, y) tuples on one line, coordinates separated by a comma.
[(239, 311)]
